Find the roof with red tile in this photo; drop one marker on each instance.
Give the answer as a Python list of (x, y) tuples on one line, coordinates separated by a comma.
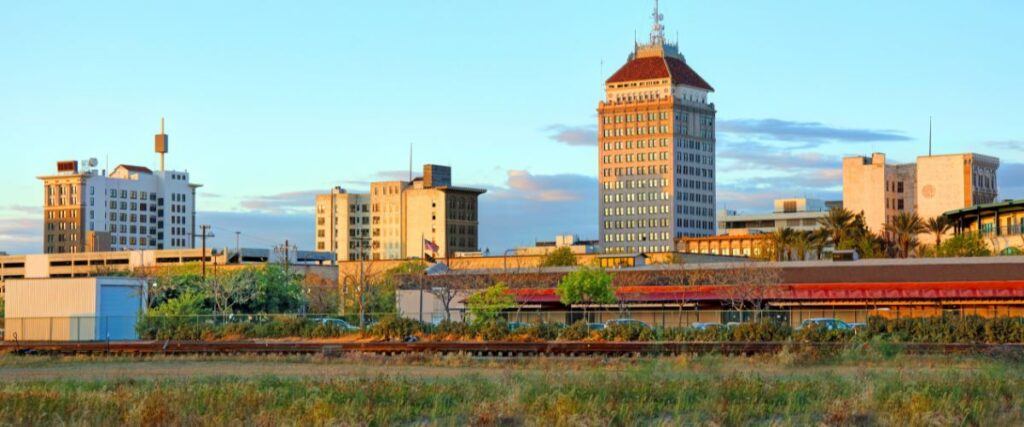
[(660, 67), (132, 168)]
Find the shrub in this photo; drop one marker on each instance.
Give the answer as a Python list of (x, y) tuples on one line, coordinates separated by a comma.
[(450, 329), (545, 331), (576, 332), (764, 330), (818, 334), (627, 332), (392, 326), (494, 330)]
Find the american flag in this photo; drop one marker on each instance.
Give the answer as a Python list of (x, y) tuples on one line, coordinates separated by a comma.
[(430, 246)]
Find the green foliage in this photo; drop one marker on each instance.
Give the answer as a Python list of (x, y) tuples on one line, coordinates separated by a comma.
[(964, 245), (762, 331), (576, 332), (544, 331), (587, 285), (392, 327), (493, 330), (560, 257), (486, 305), (2, 307), (628, 332), (451, 329)]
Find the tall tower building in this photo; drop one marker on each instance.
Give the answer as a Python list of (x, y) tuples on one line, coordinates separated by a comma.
[(656, 146)]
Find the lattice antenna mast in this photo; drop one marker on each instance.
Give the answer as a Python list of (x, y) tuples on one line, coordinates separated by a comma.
[(657, 30)]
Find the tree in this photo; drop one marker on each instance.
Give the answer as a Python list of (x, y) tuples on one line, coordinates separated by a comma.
[(321, 294), (587, 285), (904, 230), (838, 224), (818, 240), (485, 306), (560, 257), (227, 291), (748, 285), (964, 245), (938, 226)]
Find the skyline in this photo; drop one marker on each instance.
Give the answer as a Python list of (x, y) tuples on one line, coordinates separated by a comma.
[(526, 89)]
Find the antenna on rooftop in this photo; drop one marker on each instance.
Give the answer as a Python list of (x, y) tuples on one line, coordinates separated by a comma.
[(160, 144), (410, 162), (929, 136)]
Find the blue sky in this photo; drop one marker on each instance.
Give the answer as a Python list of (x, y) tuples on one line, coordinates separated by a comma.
[(270, 102)]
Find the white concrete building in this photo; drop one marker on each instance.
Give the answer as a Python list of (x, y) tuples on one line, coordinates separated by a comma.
[(132, 207)]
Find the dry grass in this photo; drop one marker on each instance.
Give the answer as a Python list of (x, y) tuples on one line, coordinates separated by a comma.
[(460, 390)]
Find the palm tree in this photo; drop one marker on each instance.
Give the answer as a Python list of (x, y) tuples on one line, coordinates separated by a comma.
[(904, 230), (838, 224), (938, 226), (801, 244), (818, 239), (779, 242)]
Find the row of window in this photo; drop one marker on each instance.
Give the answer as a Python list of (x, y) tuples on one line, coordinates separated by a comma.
[(634, 131), (628, 145), (637, 237), (639, 117), (634, 223), (635, 197), (638, 157)]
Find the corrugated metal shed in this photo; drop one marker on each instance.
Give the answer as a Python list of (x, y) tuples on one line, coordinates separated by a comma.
[(73, 309)]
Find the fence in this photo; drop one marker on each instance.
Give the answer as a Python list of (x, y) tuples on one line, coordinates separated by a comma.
[(121, 328)]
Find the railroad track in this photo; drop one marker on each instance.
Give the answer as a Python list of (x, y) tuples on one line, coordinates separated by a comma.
[(479, 349)]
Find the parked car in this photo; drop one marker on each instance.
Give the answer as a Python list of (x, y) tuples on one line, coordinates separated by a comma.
[(514, 326), (595, 326), (703, 326), (627, 322), (827, 323), (340, 323)]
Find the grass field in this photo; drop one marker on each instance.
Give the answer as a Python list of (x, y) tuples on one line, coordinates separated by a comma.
[(786, 389)]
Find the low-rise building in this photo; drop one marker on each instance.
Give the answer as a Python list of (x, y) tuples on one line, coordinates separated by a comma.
[(800, 214), (738, 245), (79, 309), (1001, 224), (573, 242)]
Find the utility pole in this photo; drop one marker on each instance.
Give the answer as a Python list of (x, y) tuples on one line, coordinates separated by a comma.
[(238, 245), (204, 229)]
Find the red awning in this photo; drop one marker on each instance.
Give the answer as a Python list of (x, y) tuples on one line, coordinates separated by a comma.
[(807, 292)]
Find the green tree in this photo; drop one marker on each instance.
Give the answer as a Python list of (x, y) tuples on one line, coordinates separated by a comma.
[(839, 223), (485, 306), (187, 304), (904, 230), (560, 257), (938, 226), (964, 245), (587, 285)]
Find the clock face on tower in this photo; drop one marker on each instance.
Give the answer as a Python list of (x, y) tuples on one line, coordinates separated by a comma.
[(928, 191)]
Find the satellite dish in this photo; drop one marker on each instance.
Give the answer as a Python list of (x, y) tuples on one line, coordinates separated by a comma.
[(93, 162)]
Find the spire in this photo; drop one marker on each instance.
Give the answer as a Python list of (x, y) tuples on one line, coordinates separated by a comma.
[(657, 30)]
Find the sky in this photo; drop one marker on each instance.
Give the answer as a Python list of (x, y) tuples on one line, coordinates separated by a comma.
[(268, 103)]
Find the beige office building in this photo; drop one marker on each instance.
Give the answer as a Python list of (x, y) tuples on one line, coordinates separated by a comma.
[(395, 218), (930, 187)]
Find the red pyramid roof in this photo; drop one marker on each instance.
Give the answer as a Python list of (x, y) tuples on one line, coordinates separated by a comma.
[(657, 67)]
